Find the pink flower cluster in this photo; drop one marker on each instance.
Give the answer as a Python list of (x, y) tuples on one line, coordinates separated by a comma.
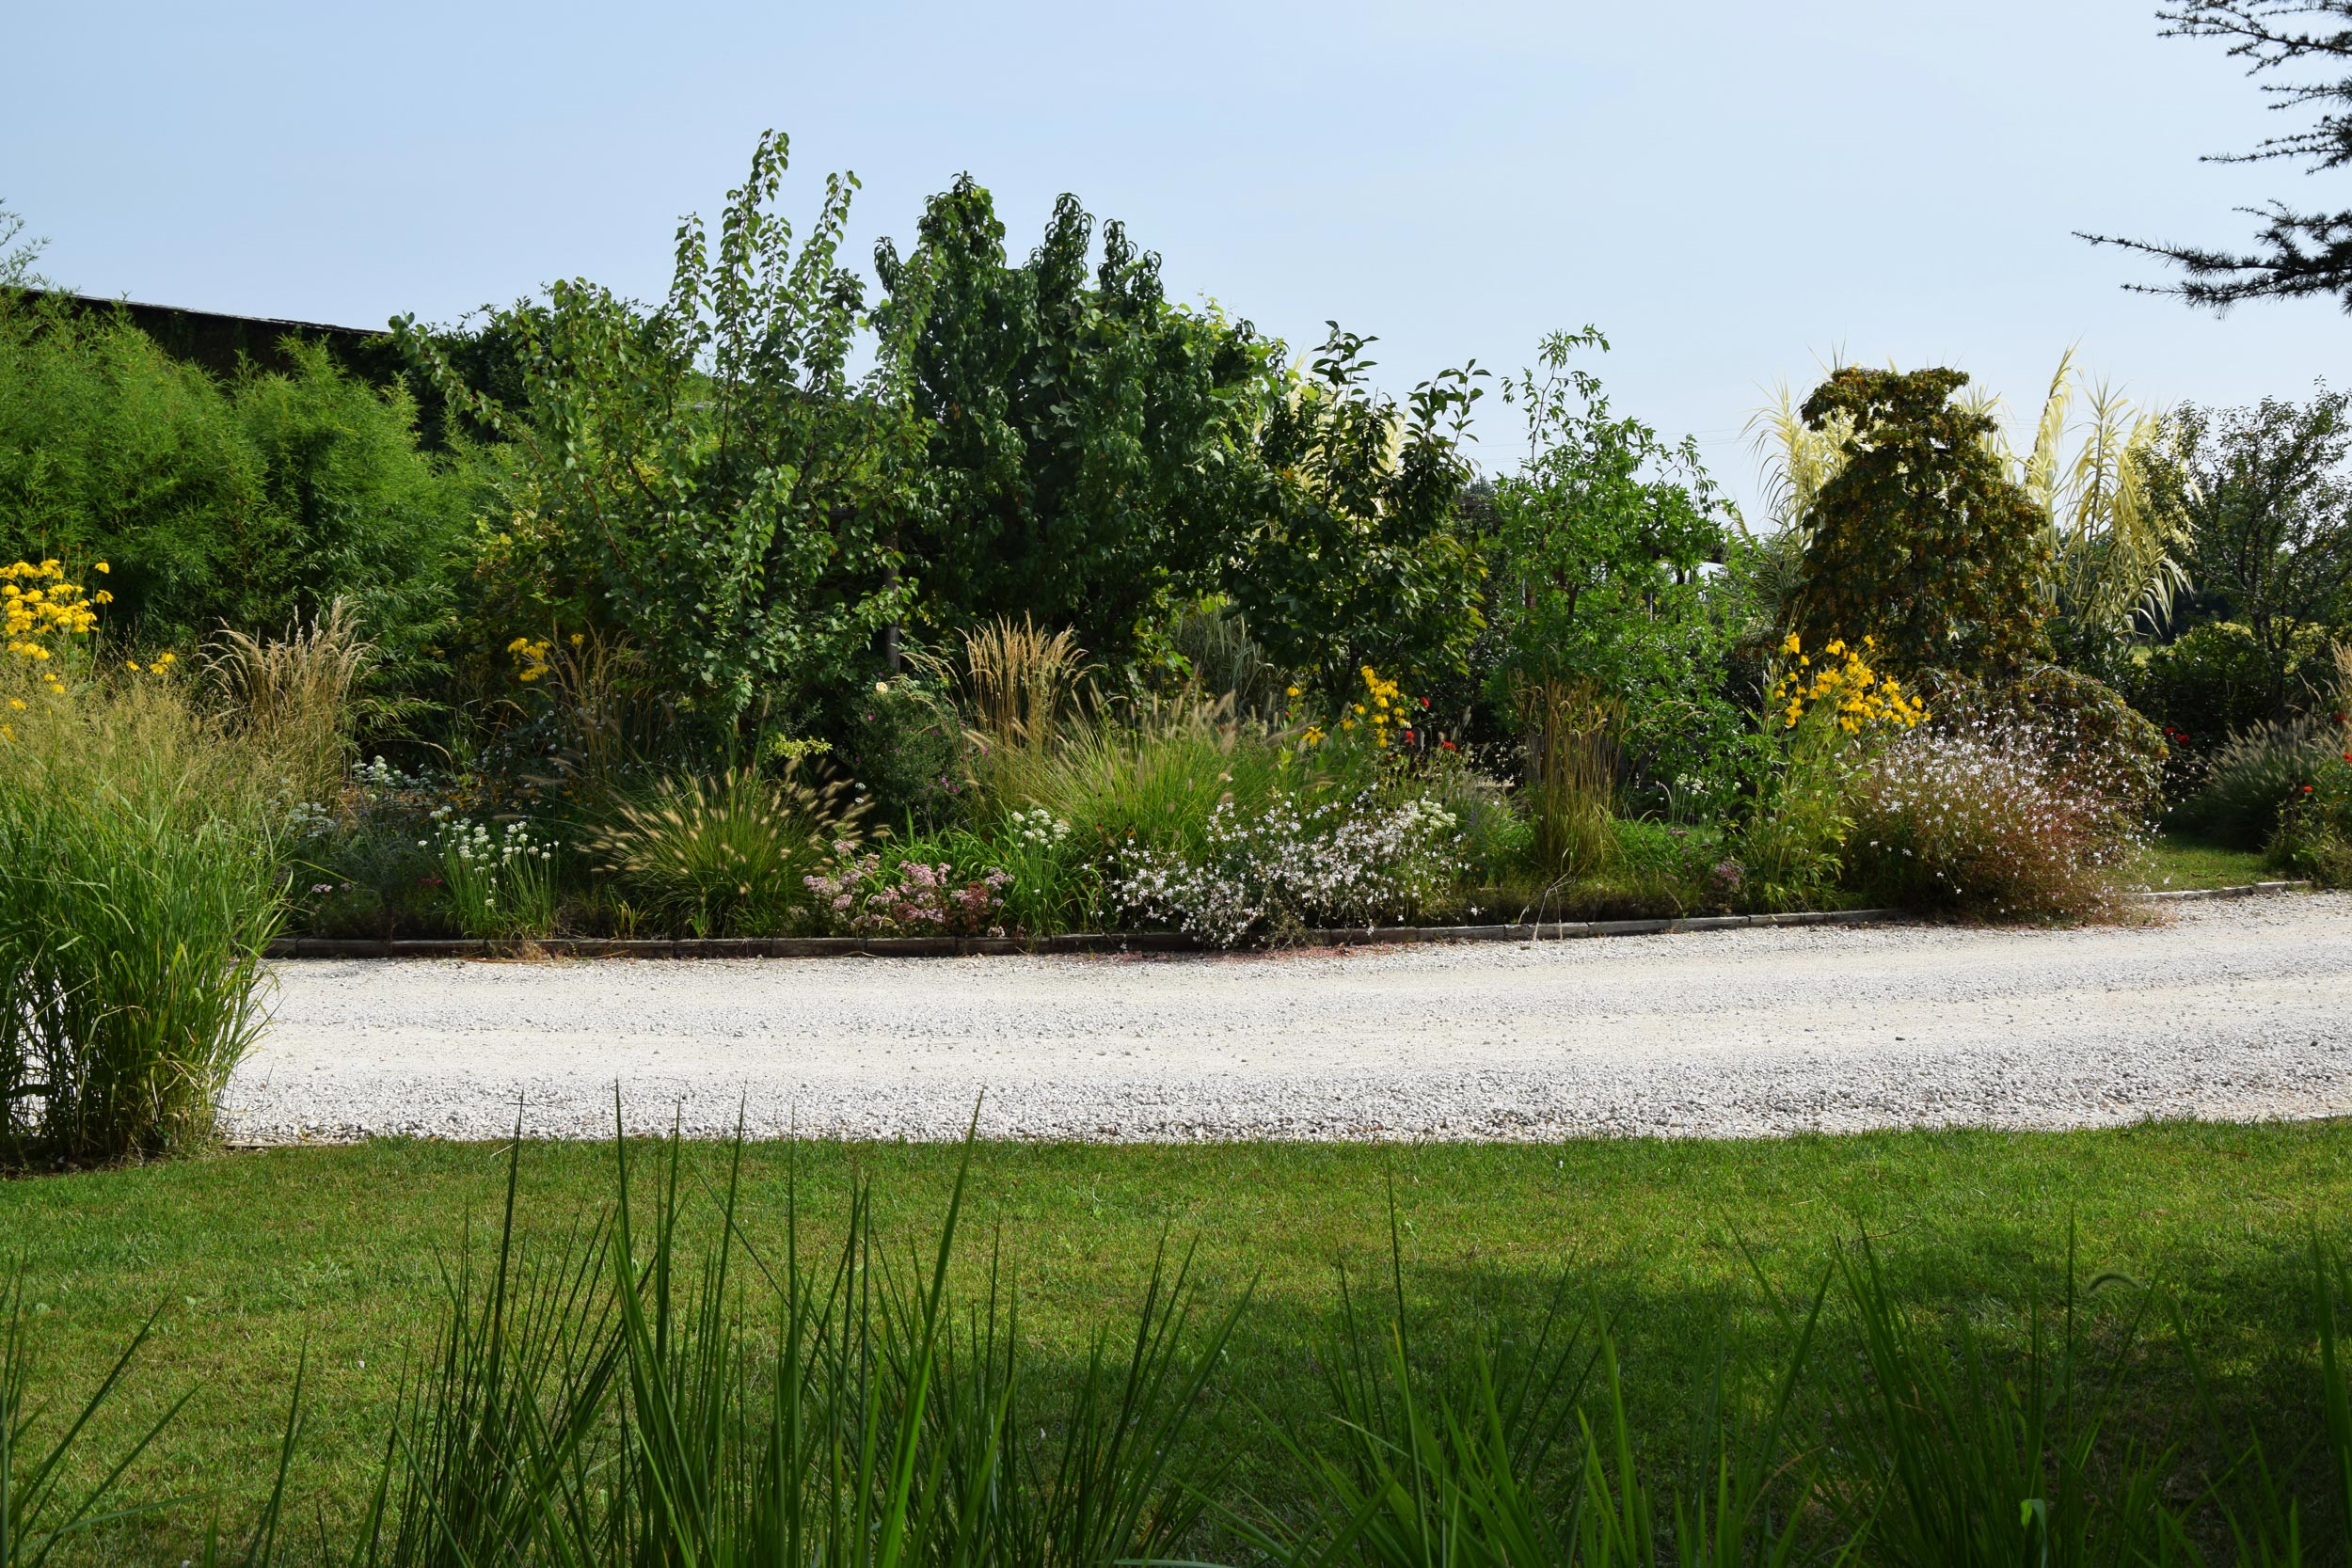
[(864, 897)]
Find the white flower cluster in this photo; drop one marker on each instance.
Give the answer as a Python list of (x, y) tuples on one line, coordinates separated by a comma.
[(1357, 861), (472, 844), (1040, 826), (307, 819), (1984, 817), (383, 777)]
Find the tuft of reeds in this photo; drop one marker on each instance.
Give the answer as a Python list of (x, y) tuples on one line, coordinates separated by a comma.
[(728, 856), (1570, 733), (656, 1385), (627, 1398), (1020, 683), (41, 1514), (1223, 661), (292, 693)]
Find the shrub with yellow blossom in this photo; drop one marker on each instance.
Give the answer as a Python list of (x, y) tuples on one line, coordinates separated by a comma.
[(41, 612), (530, 657), (1854, 695), (1382, 716)]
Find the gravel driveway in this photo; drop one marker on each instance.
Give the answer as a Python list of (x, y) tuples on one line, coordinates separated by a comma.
[(2237, 1009)]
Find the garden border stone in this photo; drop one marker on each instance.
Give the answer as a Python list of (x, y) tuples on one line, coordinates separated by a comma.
[(1092, 942)]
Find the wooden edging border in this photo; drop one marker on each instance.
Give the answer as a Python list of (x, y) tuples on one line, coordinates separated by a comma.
[(1096, 942), (2244, 890), (1071, 942)]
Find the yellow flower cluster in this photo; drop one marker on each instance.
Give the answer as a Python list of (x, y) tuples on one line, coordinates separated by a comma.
[(1845, 685), (39, 607), (1387, 706), (1382, 712), (531, 655)]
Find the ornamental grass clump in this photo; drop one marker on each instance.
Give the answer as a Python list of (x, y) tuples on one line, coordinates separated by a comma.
[(1148, 779), (138, 886), (728, 856), (2252, 778), (1021, 682), (292, 693)]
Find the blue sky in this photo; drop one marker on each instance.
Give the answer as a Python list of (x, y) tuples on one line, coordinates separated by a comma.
[(1729, 190)]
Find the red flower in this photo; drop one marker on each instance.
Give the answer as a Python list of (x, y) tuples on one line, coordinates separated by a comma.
[(2306, 789), (1448, 746)]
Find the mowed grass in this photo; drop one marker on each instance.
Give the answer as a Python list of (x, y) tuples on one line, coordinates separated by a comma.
[(2188, 862), (255, 1256)]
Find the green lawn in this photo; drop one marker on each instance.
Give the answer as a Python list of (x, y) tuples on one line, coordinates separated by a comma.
[(253, 1256), (2184, 862)]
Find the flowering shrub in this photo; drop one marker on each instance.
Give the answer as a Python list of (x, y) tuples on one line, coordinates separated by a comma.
[(1981, 819), (1358, 861), (1855, 695), (2085, 729), (2315, 833), (367, 863), (1824, 724), (1384, 715), (864, 895), (39, 613), (1051, 877)]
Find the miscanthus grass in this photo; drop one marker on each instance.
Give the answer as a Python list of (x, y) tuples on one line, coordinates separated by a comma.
[(138, 884)]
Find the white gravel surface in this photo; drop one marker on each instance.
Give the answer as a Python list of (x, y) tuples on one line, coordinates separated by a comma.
[(2229, 1010)]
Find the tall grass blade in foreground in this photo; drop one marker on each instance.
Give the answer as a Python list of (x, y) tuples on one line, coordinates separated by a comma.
[(640, 1397), (1948, 1459), (1526, 1465), (38, 1514)]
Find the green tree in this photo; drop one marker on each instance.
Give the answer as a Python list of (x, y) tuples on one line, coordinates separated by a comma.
[(704, 483), (2269, 499), (1594, 549), (1088, 441), (1357, 555), (1920, 539), (1598, 538), (2295, 254), (17, 256)]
